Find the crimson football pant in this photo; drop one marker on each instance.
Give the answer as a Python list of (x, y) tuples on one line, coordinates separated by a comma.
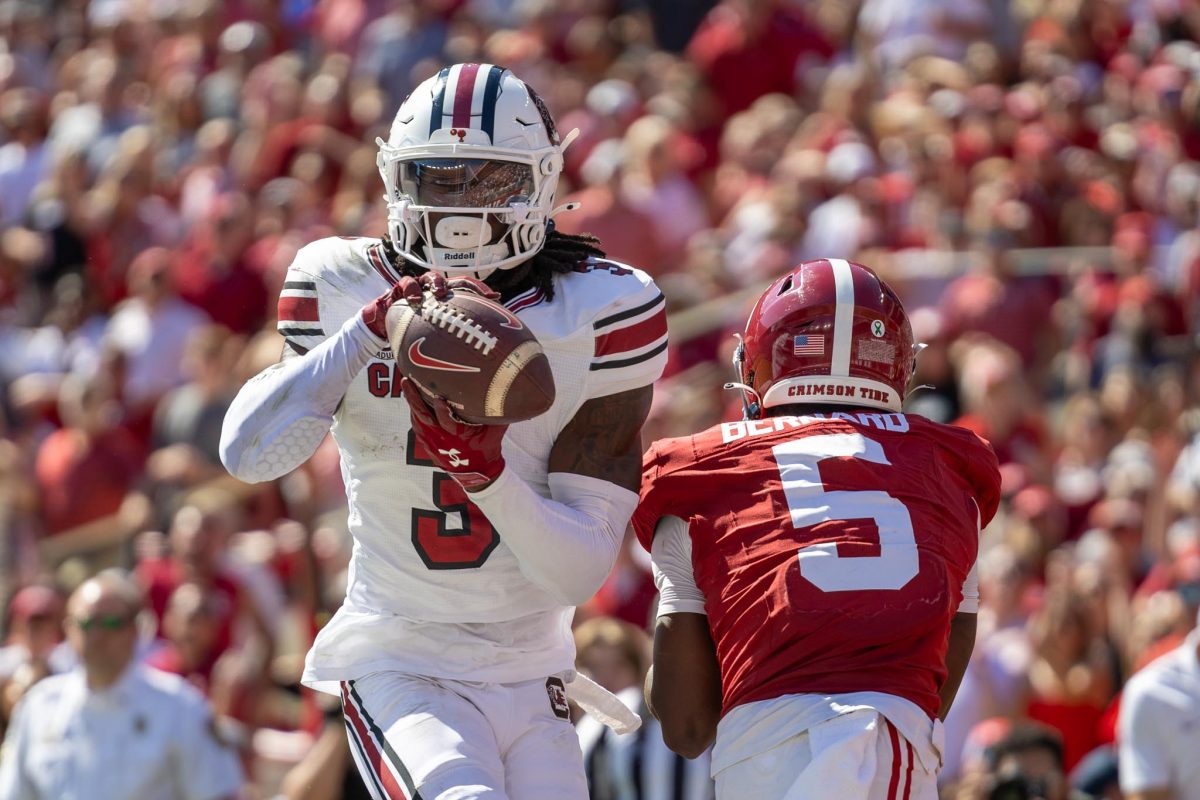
[(417, 738), (855, 756)]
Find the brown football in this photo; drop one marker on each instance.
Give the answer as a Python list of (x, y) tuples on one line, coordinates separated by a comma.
[(475, 353)]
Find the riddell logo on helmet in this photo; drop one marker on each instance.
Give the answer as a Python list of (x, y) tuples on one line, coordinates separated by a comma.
[(836, 390), (458, 256)]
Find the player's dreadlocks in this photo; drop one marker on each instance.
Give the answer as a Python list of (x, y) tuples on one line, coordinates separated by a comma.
[(563, 252)]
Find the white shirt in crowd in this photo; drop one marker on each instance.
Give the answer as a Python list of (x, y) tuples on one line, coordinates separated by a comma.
[(1159, 726), (150, 736), (153, 341)]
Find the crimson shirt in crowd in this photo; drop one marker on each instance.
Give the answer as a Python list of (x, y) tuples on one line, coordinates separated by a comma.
[(831, 551), (160, 577), (83, 478), (742, 67)]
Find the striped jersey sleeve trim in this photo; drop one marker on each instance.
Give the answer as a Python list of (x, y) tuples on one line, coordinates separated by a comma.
[(379, 261), (642, 333), (525, 300), (629, 313), (297, 310), (629, 362)]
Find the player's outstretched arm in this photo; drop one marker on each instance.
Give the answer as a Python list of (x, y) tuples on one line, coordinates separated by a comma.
[(958, 653), (567, 543), (280, 416), (683, 687)]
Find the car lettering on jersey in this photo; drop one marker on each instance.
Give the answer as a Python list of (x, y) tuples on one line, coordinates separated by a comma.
[(429, 362), (732, 431)]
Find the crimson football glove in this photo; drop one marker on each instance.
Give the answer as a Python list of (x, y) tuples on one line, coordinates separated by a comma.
[(441, 287), (468, 453), (412, 291), (374, 313)]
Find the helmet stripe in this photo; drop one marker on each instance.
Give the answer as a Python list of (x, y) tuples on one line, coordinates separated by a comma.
[(491, 92), (439, 99), (843, 320), (464, 92)]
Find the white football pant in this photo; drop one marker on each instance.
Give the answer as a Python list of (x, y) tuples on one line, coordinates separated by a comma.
[(414, 737), (855, 756)]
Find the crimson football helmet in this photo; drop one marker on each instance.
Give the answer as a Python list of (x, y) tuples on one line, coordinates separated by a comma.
[(470, 168), (828, 332)]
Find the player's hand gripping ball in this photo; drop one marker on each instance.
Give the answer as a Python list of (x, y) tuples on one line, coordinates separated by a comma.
[(455, 341)]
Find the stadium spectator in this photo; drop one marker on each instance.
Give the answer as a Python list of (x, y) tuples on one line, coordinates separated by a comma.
[(149, 331), (112, 729), (34, 647), (616, 655), (199, 539), (1159, 737), (85, 469), (1070, 677), (187, 421), (1026, 761), (191, 626)]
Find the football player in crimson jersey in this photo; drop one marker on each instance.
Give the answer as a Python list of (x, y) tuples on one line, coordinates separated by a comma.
[(815, 561), (452, 652)]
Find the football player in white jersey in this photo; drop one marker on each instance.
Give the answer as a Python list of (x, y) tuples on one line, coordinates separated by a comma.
[(453, 645)]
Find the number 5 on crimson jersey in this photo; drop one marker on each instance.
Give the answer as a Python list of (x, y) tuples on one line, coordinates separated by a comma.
[(831, 550)]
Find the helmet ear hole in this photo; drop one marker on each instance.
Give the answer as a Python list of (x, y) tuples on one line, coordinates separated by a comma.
[(531, 235), (551, 164)]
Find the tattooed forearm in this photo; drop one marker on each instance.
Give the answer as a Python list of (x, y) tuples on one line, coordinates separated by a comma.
[(604, 440)]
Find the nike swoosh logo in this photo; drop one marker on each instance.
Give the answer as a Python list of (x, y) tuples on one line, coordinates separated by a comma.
[(429, 362)]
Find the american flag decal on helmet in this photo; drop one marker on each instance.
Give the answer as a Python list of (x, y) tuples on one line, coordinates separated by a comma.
[(465, 97), (810, 344)]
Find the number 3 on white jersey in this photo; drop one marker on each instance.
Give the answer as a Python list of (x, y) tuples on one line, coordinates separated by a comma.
[(811, 504)]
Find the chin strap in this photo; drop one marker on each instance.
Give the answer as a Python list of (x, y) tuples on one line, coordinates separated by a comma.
[(751, 402)]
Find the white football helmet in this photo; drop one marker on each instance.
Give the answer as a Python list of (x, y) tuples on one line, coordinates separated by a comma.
[(470, 169)]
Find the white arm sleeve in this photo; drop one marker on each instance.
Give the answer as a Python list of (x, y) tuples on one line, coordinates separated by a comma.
[(970, 591), (673, 575), (281, 415), (970, 587), (566, 545)]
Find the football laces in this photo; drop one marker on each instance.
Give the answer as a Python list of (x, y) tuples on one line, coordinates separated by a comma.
[(450, 319)]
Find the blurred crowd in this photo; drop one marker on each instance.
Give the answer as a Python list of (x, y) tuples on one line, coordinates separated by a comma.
[(161, 161)]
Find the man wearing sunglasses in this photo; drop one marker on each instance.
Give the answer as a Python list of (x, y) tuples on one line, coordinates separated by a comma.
[(112, 728)]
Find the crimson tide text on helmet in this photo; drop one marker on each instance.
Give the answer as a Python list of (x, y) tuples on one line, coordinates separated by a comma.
[(470, 169), (828, 332)]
